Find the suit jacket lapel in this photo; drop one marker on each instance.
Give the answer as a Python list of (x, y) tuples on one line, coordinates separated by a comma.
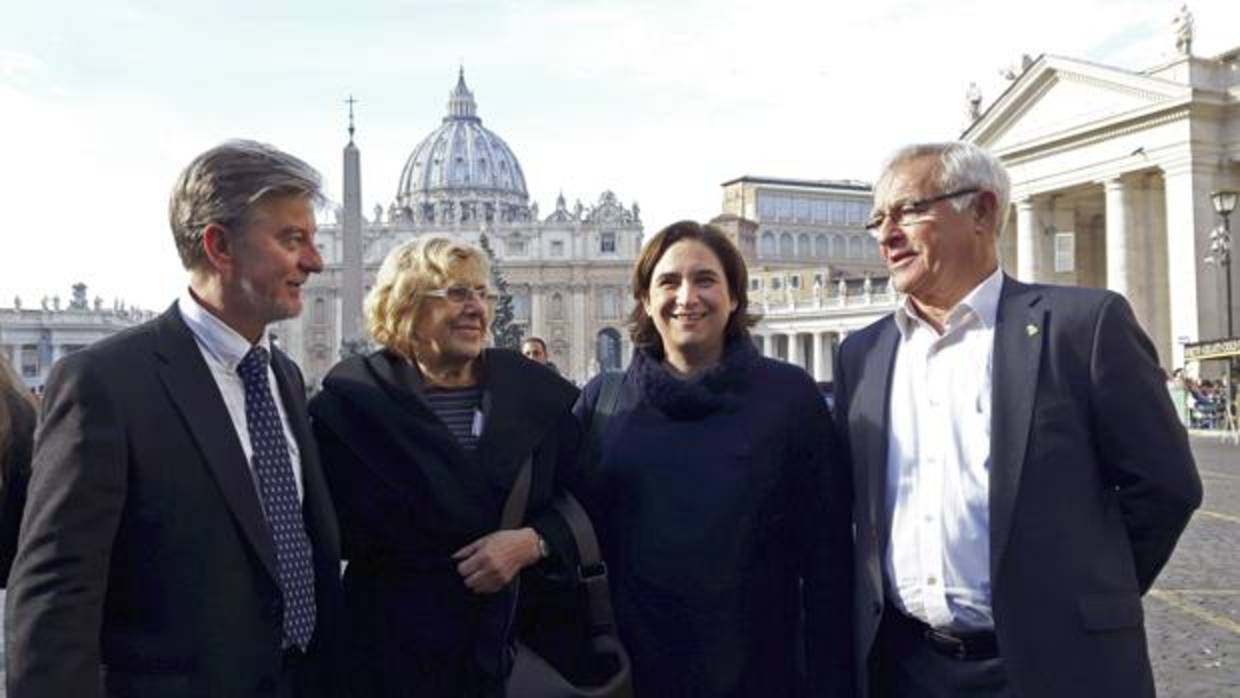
[(197, 397), (1020, 331), (871, 412)]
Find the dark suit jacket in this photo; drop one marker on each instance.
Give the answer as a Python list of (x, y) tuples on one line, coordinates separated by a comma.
[(409, 496), (1091, 484), (145, 566)]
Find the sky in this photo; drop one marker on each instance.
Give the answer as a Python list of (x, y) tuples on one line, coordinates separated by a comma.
[(102, 104)]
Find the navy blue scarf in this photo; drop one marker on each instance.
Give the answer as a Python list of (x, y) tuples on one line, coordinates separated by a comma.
[(692, 398)]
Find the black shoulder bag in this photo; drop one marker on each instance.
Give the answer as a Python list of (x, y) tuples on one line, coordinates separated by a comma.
[(606, 673)]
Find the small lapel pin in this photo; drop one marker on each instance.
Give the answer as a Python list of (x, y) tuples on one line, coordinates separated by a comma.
[(1031, 329)]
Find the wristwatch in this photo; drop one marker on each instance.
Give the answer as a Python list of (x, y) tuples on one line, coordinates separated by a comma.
[(544, 551)]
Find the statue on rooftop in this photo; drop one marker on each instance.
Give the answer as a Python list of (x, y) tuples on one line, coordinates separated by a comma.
[(1183, 24)]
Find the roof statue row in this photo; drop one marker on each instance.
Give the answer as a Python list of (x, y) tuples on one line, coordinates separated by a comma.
[(607, 210), (1184, 30)]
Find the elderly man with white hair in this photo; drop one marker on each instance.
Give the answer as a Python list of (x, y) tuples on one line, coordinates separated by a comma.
[(1020, 476)]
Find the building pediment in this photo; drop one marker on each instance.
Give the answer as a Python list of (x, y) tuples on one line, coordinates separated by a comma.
[(1058, 97)]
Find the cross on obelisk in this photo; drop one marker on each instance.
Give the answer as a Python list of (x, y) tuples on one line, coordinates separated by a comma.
[(350, 101)]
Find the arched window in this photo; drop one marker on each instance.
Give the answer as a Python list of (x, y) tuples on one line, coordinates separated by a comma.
[(854, 247), (766, 247), (557, 307), (320, 311), (786, 246), (803, 245), (820, 246)]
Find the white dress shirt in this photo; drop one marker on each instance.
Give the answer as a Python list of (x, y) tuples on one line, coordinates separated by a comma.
[(223, 348), (937, 565)]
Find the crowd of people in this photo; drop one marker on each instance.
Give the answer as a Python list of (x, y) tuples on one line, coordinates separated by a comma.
[(1202, 403), (1000, 479)]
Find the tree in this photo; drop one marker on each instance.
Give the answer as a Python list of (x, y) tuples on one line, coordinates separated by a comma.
[(506, 333)]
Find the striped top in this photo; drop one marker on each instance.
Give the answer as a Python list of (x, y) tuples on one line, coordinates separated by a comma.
[(457, 408)]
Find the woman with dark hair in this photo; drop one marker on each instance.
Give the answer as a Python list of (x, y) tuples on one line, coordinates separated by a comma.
[(17, 422), (719, 495), (422, 442)]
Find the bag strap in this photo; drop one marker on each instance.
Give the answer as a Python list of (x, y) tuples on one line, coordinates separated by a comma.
[(591, 570), (604, 410), (519, 498)]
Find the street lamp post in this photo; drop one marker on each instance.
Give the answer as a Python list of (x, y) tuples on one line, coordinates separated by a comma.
[(1224, 201)]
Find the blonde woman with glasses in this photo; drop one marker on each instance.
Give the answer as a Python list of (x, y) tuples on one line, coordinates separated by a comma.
[(422, 442)]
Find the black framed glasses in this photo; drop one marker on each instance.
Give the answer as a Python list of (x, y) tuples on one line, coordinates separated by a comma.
[(463, 294), (911, 212)]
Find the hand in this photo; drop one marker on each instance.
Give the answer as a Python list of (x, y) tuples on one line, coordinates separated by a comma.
[(489, 563)]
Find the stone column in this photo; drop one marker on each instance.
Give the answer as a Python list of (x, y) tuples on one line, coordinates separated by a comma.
[(1028, 237), (538, 325), (830, 346), (1190, 216), (581, 339), (794, 349), (1118, 236), (817, 371)]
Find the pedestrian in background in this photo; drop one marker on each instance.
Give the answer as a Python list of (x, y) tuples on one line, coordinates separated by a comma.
[(422, 441), (1021, 476), (718, 493)]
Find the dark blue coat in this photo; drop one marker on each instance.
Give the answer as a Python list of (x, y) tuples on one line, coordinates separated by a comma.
[(722, 508)]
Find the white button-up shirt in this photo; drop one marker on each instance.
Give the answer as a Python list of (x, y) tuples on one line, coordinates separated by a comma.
[(223, 348), (937, 564)]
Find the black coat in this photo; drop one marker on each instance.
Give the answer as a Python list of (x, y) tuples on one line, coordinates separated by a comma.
[(408, 496), (145, 567), (1091, 483), (723, 512)]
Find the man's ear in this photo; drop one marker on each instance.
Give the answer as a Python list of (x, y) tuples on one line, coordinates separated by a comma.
[(219, 246), (986, 211)]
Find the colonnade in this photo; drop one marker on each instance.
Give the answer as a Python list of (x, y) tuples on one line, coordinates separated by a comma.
[(813, 350)]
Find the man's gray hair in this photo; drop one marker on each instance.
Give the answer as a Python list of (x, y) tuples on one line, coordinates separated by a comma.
[(962, 165), (223, 186)]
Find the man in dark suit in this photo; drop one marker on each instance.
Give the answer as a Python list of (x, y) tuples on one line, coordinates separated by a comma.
[(1020, 476), (178, 538)]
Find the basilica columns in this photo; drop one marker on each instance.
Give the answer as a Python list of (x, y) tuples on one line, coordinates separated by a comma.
[(1189, 218), (816, 366), (1117, 236), (1028, 241)]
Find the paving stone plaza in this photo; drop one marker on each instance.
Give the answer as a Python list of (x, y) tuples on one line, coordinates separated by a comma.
[(1193, 613)]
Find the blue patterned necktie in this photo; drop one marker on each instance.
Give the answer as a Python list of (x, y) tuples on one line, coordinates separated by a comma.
[(277, 489)]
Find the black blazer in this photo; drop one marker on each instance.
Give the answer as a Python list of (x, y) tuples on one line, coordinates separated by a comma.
[(144, 565), (409, 496), (1091, 483)]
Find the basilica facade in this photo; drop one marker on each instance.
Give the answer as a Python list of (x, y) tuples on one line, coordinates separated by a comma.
[(567, 270)]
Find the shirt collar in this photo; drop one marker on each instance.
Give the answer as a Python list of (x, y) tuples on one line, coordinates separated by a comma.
[(222, 342), (982, 301)]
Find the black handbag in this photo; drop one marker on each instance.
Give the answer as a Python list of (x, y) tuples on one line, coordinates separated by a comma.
[(601, 669)]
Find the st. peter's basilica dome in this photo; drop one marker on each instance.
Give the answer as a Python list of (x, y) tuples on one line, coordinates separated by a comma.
[(462, 172)]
